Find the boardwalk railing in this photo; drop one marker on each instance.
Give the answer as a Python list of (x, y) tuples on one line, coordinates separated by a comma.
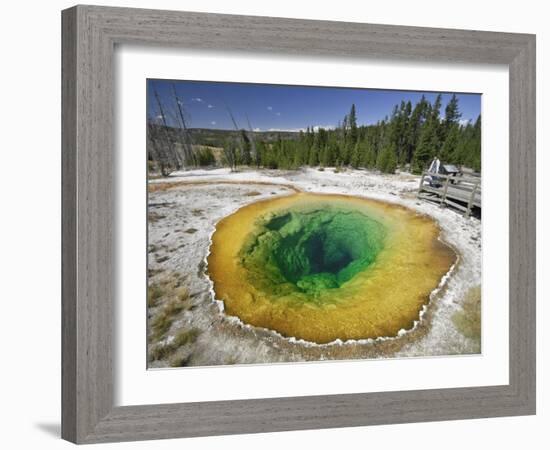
[(460, 192)]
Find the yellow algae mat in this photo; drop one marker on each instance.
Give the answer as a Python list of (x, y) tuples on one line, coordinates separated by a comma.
[(325, 267)]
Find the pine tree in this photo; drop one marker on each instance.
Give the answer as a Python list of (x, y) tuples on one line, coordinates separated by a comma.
[(314, 152), (387, 162), (474, 156), (438, 127), (357, 155), (426, 147), (404, 139), (449, 149), (452, 113), (260, 152), (352, 121), (412, 134), (449, 131), (329, 155), (369, 154), (391, 162), (324, 157)]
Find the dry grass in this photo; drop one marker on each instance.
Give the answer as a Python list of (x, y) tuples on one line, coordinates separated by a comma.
[(161, 187), (154, 293), (163, 320), (153, 272), (174, 298), (179, 361), (161, 323), (154, 217), (168, 297), (160, 352), (468, 320), (183, 337)]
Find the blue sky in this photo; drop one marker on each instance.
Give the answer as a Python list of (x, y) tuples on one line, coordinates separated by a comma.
[(280, 107)]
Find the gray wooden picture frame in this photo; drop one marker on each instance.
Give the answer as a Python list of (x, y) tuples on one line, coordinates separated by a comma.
[(90, 34)]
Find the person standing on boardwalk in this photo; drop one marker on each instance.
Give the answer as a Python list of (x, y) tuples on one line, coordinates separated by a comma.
[(434, 168)]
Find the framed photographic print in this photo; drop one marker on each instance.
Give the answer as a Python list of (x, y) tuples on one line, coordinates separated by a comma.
[(265, 229)]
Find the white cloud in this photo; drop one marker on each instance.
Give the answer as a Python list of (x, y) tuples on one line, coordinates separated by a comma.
[(464, 122), (210, 106), (197, 99), (278, 113), (296, 130), (270, 108), (213, 122), (326, 127), (291, 130)]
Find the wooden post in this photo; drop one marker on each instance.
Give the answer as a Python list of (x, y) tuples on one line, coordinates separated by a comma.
[(444, 195), (471, 201)]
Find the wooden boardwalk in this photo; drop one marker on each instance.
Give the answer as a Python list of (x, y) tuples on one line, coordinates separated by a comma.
[(460, 192)]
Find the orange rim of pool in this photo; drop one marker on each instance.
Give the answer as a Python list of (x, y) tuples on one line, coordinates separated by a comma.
[(323, 268)]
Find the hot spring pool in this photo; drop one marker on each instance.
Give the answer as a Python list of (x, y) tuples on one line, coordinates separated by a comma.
[(326, 267)]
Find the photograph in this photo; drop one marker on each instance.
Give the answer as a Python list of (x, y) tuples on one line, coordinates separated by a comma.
[(304, 223), (266, 225)]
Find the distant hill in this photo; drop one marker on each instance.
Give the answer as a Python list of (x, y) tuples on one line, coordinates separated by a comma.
[(216, 138)]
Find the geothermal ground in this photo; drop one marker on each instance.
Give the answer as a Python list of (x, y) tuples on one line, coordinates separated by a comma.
[(187, 325)]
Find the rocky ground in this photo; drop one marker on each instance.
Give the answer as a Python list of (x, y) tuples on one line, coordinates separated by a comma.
[(187, 326)]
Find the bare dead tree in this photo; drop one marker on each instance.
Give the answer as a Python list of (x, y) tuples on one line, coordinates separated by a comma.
[(186, 140), (230, 154), (168, 157), (251, 136), (238, 141), (154, 150), (157, 146)]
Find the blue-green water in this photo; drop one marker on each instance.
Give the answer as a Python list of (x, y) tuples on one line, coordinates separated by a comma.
[(310, 251)]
